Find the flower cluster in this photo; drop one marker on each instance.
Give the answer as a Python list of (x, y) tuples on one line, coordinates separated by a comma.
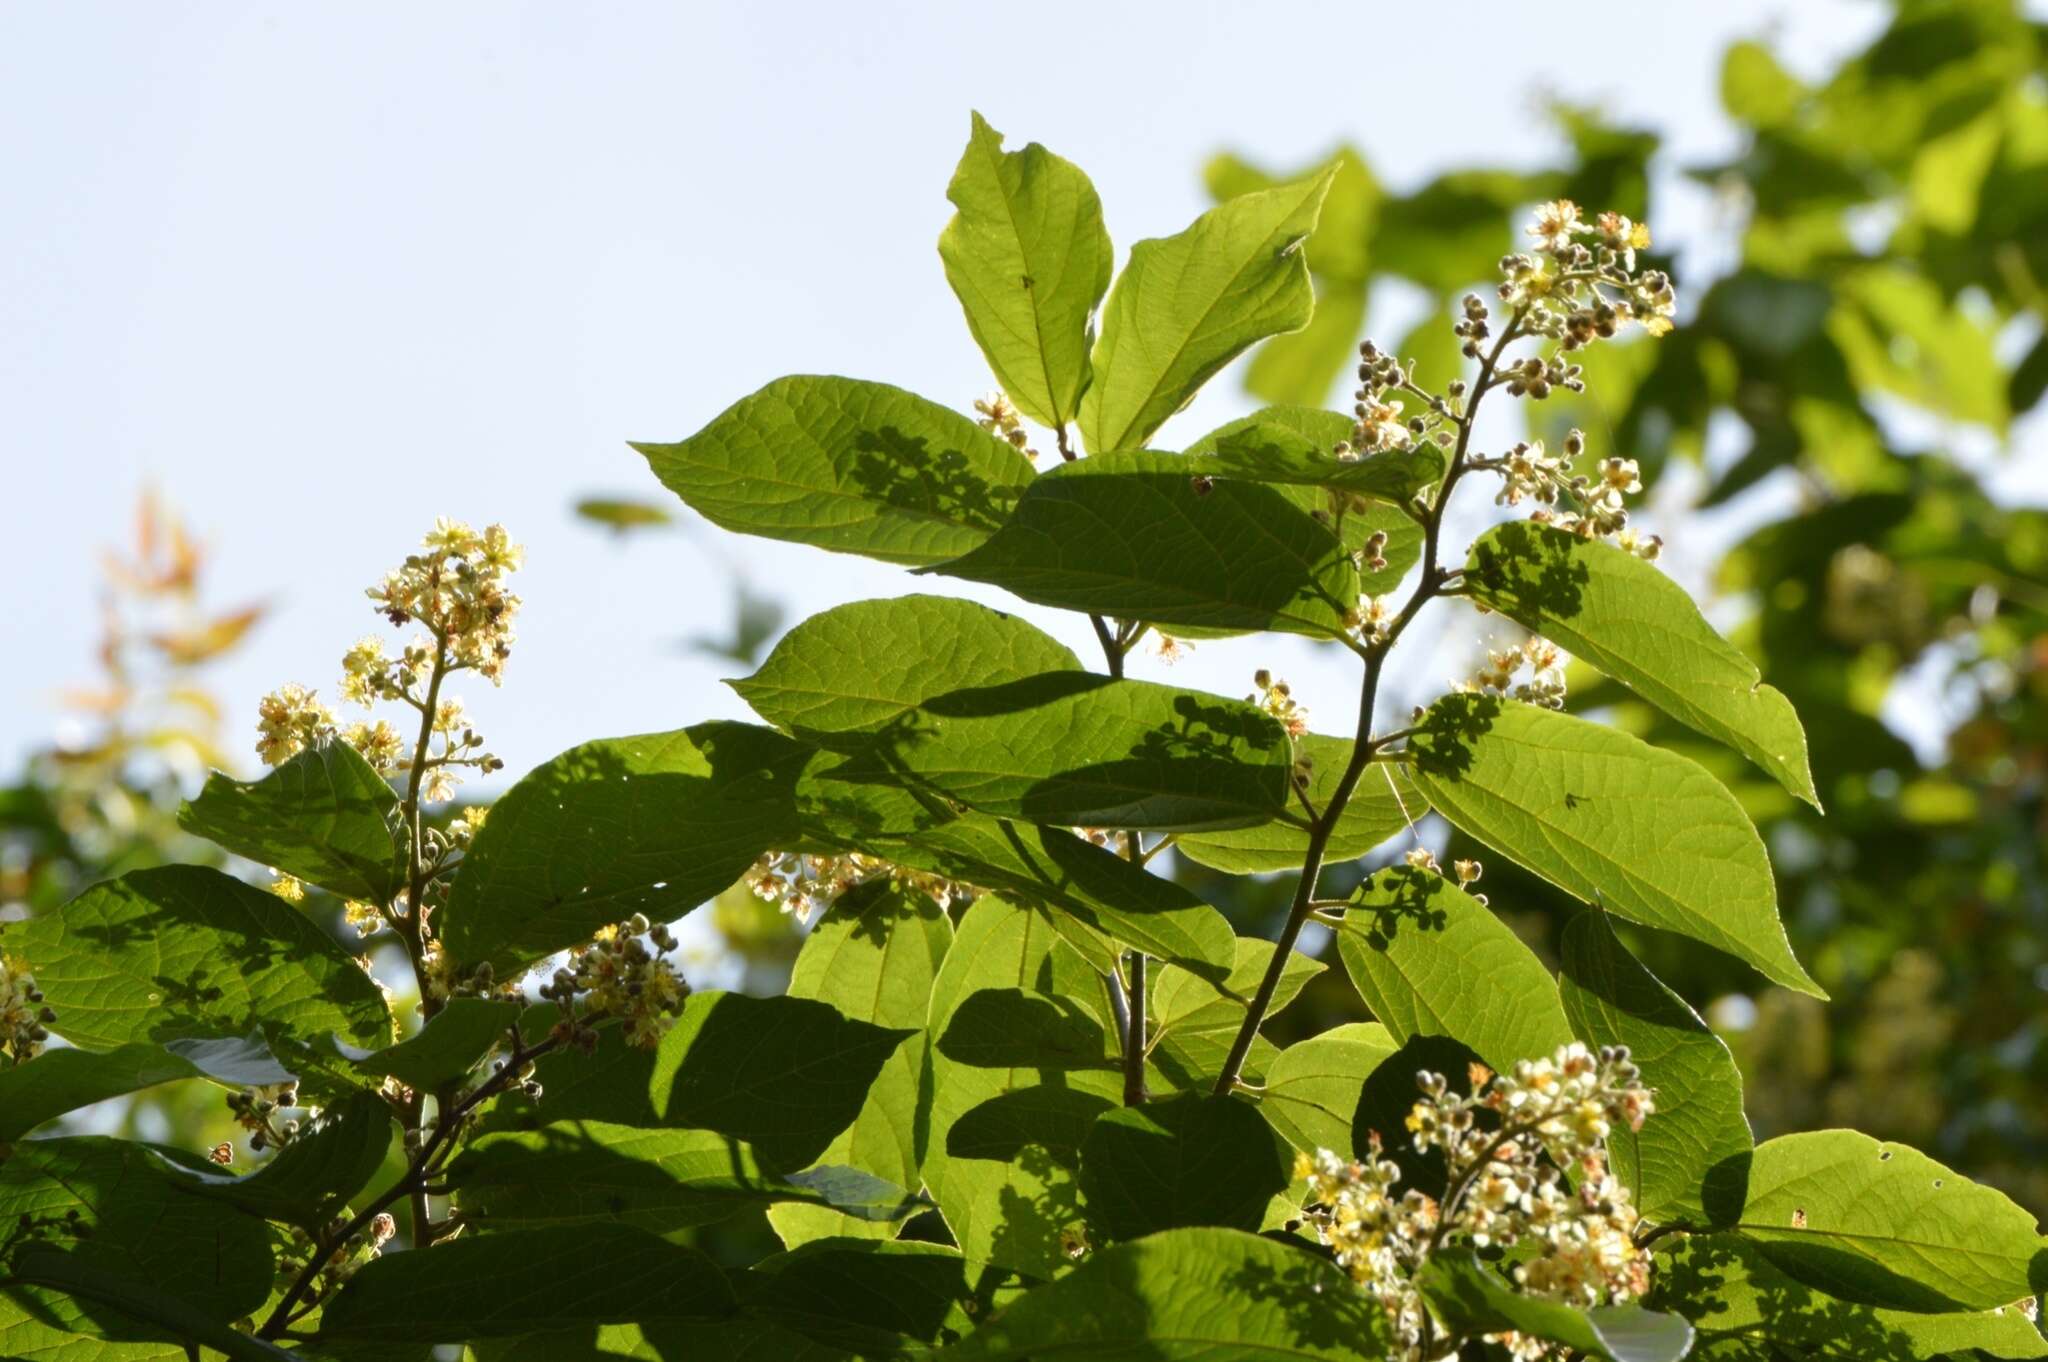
[(1526, 1168), (1582, 281), (1380, 419), (261, 1112), (1372, 617), (1533, 673), (24, 1018), (456, 590), (617, 976), (997, 415), (1529, 472), (805, 884)]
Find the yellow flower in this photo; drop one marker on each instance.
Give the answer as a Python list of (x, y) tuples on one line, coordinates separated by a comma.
[(289, 889)]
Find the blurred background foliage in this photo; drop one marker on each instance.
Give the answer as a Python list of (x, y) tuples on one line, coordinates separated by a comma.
[(1862, 328)]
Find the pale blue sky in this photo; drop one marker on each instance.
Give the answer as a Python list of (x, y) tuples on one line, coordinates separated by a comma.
[(322, 271)]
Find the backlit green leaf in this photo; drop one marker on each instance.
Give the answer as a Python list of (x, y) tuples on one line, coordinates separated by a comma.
[(1625, 617), (1095, 895), (1189, 1294), (1285, 445), (654, 824), (1690, 1161), (1136, 535), (460, 1034), (873, 956), (846, 465), (594, 1172), (860, 667), (1384, 802), (1005, 1182), (1312, 1087), (1734, 1295), (495, 1285), (1193, 1159), (136, 1226), (1186, 305), (1881, 1224), (1073, 748), (184, 951), (783, 1074), (1029, 258), (324, 816), (310, 1180), (1430, 960), (1471, 1299), (67, 1079), (1644, 833)]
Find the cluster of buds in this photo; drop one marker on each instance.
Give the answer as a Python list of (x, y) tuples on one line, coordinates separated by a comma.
[(1379, 421), (261, 1112), (1537, 378), (24, 1017), (341, 1259), (1509, 1149), (1277, 699), (1582, 281), (618, 976), (806, 884), (1529, 472), (997, 415), (1533, 673)]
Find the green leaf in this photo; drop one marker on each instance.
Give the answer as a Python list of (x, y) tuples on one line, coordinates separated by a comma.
[(136, 1227), (846, 465), (1136, 535), (1193, 1159), (878, 1299), (594, 1172), (448, 1046), (1094, 894), (862, 667), (873, 956), (1076, 749), (24, 1336), (1881, 1224), (495, 1285), (1186, 305), (783, 1074), (852, 802), (1029, 258), (89, 1284), (1187, 1294), (1625, 617), (1005, 1182), (65, 1080), (1756, 89), (309, 1181), (1416, 945), (1731, 1292), (1690, 1161), (653, 824), (1470, 1299), (1383, 803), (325, 816), (1357, 517), (1285, 445), (1313, 1087), (1183, 1003), (184, 951), (1642, 832)]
